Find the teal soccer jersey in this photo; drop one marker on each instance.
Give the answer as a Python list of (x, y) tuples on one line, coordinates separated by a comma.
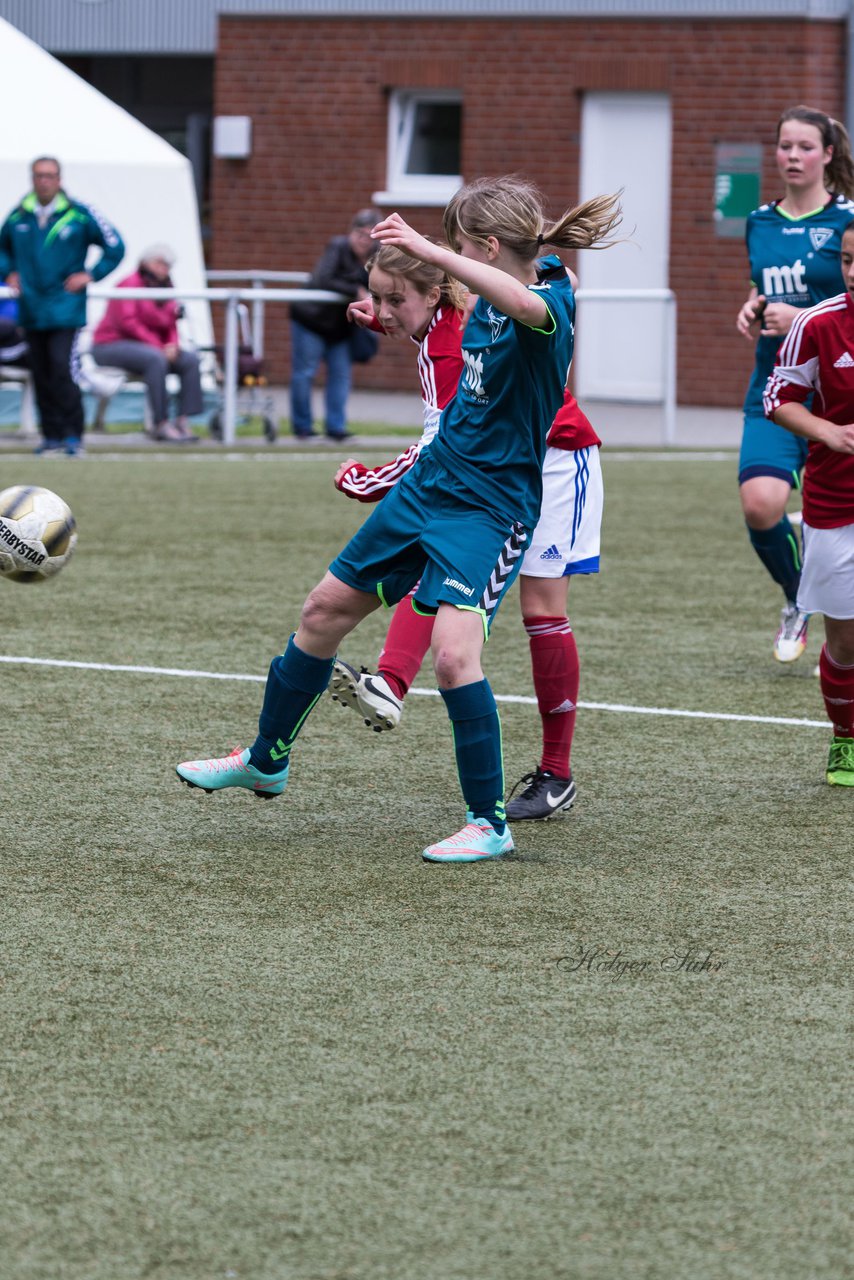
[(793, 260), (492, 436)]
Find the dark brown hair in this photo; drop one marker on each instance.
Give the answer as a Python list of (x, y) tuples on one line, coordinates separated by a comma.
[(839, 172), (47, 160)]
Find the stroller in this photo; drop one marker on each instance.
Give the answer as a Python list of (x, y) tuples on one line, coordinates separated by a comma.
[(253, 398)]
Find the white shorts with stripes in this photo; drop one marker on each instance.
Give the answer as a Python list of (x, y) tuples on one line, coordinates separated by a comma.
[(827, 578), (566, 539)]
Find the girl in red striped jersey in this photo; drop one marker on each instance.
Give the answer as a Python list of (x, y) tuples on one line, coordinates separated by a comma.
[(410, 298), (817, 359)]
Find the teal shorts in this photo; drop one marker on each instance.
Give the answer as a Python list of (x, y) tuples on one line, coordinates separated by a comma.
[(770, 450), (428, 530)]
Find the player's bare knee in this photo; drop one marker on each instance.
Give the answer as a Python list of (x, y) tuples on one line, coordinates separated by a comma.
[(450, 662), (332, 608), (763, 501), (760, 512), (319, 612)]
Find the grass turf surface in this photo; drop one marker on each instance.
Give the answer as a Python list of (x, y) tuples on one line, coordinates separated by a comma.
[(265, 1041)]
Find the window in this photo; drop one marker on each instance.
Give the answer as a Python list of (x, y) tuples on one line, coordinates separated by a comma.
[(424, 135)]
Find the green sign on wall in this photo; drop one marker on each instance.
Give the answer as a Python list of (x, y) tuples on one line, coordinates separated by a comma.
[(738, 181)]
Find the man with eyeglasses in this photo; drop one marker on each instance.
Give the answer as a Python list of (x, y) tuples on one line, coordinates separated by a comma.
[(44, 243)]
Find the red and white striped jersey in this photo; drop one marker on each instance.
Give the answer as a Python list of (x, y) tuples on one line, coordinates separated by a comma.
[(817, 358), (571, 428), (440, 363)]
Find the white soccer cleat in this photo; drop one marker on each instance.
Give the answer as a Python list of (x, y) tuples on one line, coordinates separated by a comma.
[(791, 639), (371, 695)]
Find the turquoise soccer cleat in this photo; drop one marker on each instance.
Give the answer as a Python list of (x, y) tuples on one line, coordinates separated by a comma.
[(477, 842), (232, 771)]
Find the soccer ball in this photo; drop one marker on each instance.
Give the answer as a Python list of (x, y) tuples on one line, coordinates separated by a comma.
[(37, 533)]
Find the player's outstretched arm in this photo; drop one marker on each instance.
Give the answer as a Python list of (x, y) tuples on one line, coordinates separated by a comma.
[(497, 286)]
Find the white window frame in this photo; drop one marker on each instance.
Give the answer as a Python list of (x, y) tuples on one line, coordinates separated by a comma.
[(413, 188)]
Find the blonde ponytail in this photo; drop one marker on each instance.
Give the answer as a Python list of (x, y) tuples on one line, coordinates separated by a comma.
[(511, 210)]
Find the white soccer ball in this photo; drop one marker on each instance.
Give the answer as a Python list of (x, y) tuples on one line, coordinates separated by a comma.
[(38, 533)]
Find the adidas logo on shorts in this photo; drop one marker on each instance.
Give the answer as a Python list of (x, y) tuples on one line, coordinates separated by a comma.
[(554, 554)]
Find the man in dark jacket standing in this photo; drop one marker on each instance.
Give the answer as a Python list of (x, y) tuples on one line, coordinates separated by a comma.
[(43, 247), (321, 330)]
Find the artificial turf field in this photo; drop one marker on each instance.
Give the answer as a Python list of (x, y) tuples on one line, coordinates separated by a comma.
[(264, 1041)]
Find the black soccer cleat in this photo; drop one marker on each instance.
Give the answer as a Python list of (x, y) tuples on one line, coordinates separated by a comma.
[(543, 797)]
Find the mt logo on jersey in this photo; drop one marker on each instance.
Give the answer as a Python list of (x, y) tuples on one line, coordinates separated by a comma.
[(779, 280)]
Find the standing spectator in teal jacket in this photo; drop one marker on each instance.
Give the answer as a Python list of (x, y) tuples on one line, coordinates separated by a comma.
[(43, 247)]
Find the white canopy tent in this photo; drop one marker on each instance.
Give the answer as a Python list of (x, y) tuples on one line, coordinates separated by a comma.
[(109, 160)]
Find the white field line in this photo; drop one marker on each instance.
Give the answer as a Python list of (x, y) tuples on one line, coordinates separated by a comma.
[(620, 707)]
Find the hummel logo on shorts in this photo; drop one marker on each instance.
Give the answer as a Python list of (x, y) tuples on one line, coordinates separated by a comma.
[(554, 554), (844, 362)]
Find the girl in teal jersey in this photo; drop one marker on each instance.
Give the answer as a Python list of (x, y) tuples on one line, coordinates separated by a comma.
[(458, 523), (793, 245)]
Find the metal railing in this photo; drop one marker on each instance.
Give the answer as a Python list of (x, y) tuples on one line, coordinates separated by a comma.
[(232, 298), (258, 280), (261, 295)]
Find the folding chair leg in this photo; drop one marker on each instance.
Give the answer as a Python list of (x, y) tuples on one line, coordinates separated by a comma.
[(100, 413), (28, 427)]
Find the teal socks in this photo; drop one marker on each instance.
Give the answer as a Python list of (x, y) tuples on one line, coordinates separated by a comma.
[(294, 683), (477, 743)]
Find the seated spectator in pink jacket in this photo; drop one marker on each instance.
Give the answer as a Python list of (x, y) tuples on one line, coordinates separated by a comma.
[(142, 336)]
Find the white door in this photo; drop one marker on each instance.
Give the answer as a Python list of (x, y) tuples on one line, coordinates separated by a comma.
[(621, 345)]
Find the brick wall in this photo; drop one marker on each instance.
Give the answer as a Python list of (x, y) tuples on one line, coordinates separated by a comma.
[(316, 90)]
